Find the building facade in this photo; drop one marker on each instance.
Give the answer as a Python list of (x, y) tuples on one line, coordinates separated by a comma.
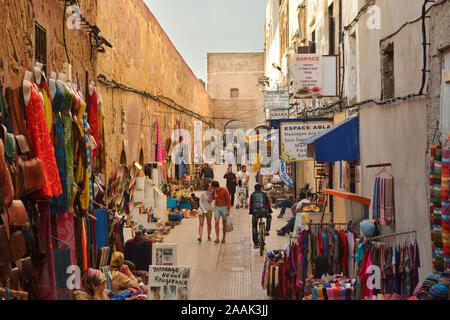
[(237, 100), (380, 80)]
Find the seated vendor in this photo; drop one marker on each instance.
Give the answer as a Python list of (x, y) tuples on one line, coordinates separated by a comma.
[(289, 227), (93, 286), (121, 276), (320, 271)]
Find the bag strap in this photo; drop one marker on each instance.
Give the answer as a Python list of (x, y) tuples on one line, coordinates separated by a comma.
[(6, 119)]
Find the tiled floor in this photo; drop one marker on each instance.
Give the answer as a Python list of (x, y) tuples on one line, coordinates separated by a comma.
[(230, 271)]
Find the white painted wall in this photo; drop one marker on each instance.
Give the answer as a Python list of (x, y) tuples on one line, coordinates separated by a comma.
[(398, 135)]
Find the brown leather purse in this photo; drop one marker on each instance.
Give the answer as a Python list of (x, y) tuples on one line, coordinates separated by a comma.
[(18, 245), (17, 214), (31, 168), (5, 249), (27, 269)]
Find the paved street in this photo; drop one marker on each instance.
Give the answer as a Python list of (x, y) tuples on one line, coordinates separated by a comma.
[(225, 271)]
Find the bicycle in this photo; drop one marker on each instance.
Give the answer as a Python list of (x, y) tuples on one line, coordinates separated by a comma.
[(261, 235)]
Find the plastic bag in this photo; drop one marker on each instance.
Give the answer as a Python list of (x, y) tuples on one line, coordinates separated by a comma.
[(229, 224)]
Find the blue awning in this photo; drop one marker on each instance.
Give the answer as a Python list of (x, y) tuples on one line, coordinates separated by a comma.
[(338, 143)]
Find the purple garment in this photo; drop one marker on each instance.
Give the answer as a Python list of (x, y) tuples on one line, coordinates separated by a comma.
[(46, 271), (350, 255)]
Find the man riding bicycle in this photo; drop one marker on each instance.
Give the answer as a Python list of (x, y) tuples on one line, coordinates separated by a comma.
[(259, 208)]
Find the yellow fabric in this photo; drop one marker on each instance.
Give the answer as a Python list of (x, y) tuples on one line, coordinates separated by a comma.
[(116, 260), (47, 109)]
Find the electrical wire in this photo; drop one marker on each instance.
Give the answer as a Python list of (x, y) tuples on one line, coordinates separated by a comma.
[(66, 2)]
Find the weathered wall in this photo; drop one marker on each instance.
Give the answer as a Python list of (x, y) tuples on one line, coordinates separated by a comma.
[(440, 43), (241, 71), (17, 53), (397, 135), (143, 57)]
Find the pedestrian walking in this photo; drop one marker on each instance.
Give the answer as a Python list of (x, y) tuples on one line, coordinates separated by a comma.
[(244, 177), (222, 208), (207, 173), (205, 211), (231, 184)]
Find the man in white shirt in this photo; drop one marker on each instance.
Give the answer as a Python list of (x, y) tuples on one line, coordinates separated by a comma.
[(243, 176)]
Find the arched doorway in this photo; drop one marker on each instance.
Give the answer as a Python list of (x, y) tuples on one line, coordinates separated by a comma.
[(141, 157), (123, 158)]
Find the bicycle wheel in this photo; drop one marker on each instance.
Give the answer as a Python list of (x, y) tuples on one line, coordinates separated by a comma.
[(261, 238)]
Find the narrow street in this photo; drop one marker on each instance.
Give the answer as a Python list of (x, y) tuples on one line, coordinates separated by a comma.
[(230, 271)]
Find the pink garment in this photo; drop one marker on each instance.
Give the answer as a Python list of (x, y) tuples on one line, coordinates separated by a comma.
[(66, 231), (42, 145), (46, 270), (93, 119)]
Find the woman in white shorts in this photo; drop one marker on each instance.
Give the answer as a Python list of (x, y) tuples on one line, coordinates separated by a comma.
[(205, 210)]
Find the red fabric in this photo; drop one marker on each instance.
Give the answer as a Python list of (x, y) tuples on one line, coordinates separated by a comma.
[(343, 236), (42, 145), (93, 119), (320, 244), (362, 275)]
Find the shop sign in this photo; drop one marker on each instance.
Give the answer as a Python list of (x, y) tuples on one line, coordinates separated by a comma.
[(276, 100), (292, 135), (279, 114), (164, 254), (315, 76), (168, 283)]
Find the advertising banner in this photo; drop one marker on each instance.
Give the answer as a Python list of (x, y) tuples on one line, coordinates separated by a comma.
[(276, 100), (308, 81), (164, 254), (293, 133)]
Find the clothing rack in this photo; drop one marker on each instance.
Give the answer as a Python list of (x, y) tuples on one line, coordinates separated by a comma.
[(21, 295), (394, 235)]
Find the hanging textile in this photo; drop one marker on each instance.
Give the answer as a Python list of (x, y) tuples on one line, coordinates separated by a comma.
[(436, 206), (46, 271), (45, 91), (60, 203), (383, 206), (66, 232), (42, 145), (68, 140), (445, 206), (93, 118), (101, 227)]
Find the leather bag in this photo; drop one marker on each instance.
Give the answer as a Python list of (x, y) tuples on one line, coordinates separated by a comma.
[(5, 250), (27, 269), (18, 245), (17, 214), (31, 168)]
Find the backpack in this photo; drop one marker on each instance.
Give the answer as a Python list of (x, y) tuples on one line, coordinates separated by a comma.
[(259, 203)]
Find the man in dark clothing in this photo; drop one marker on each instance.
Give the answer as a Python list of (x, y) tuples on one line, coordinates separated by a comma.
[(231, 184), (259, 207), (207, 173)]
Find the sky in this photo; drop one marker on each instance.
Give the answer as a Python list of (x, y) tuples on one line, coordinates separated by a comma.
[(197, 27)]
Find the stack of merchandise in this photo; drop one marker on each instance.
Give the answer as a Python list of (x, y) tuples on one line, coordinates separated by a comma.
[(335, 289), (434, 287)]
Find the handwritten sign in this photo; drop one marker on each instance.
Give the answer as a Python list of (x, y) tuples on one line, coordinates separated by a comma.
[(168, 283)]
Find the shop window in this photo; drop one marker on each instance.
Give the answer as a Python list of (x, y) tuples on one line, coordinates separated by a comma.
[(235, 93), (387, 72), (40, 45)]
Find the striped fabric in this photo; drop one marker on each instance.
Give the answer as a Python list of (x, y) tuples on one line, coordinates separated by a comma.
[(445, 207), (436, 208)]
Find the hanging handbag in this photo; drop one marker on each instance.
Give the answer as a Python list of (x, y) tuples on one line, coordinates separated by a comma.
[(5, 250), (17, 214), (18, 245), (6, 186), (27, 269), (31, 168)]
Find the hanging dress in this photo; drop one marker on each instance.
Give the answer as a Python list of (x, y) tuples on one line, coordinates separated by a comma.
[(42, 145), (60, 203), (44, 89), (68, 139), (93, 118)]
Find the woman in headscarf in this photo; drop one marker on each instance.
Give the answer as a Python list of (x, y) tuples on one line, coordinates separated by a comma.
[(120, 274), (93, 286)]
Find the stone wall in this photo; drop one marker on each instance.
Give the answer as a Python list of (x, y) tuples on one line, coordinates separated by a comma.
[(240, 71), (17, 31), (144, 58)]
